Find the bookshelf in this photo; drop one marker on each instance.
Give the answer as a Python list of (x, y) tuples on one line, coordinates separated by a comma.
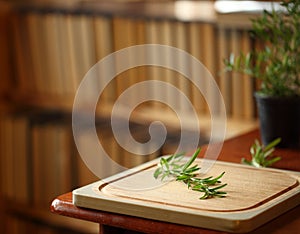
[(47, 48), (78, 43)]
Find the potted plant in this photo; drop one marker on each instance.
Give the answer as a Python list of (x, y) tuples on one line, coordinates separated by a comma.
[(277, 68)]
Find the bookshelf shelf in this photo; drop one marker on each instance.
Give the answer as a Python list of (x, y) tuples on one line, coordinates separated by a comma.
[(143, 116), (53, 103)]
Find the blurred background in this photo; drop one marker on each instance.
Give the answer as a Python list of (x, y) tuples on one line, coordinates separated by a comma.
[(46, 48)]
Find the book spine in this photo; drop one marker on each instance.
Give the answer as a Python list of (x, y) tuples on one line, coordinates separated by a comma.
[(124, 31), (87, 50), (89, 157), (5, 62), (209, 60), (71, 50), (153, 36), (248, 84), (168, 36), (197, 50), (78, 54), (184, 84), (24, 72), (103, 47), (9, 159), (237, 81), (224, 77), (39, 82), (63, 158), (52, 54), (20, 157), (39, 176)]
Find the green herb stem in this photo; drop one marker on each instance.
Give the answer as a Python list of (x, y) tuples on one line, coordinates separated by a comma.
[(262, 156), (188, 174)]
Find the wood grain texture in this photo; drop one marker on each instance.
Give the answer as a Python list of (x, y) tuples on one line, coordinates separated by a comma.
[(233, 149), (63, 205), (254, 197), (247, 188)]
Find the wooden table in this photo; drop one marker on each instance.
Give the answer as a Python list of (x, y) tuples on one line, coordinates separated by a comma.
[(233, 150)]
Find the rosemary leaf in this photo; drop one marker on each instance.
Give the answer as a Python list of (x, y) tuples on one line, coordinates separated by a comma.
[(188, 174), (262, 156)]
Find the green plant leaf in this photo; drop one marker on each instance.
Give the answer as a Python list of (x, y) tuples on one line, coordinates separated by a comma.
[(187, 173), (262, 156), (276, 64)]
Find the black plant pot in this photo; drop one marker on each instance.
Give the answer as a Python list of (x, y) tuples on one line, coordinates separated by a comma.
[(279, 117)]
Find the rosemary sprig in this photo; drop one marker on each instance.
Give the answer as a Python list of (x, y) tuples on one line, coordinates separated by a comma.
[(262, 155), (187, 173)]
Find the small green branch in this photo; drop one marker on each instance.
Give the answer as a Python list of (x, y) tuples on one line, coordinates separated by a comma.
[(262, 156), (187, 173)]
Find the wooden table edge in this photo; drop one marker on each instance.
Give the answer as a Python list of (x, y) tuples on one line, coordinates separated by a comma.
[(63, 205)]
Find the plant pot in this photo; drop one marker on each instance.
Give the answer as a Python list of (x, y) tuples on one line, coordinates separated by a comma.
[(279, 117)]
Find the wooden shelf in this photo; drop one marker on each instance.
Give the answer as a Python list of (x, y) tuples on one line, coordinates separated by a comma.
[(143, 115), (169, 118), (46, 102)]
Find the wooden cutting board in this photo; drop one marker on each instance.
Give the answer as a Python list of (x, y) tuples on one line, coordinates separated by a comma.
[(254, 196)]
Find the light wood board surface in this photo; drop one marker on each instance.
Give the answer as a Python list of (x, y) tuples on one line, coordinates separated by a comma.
[(254, 196)]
